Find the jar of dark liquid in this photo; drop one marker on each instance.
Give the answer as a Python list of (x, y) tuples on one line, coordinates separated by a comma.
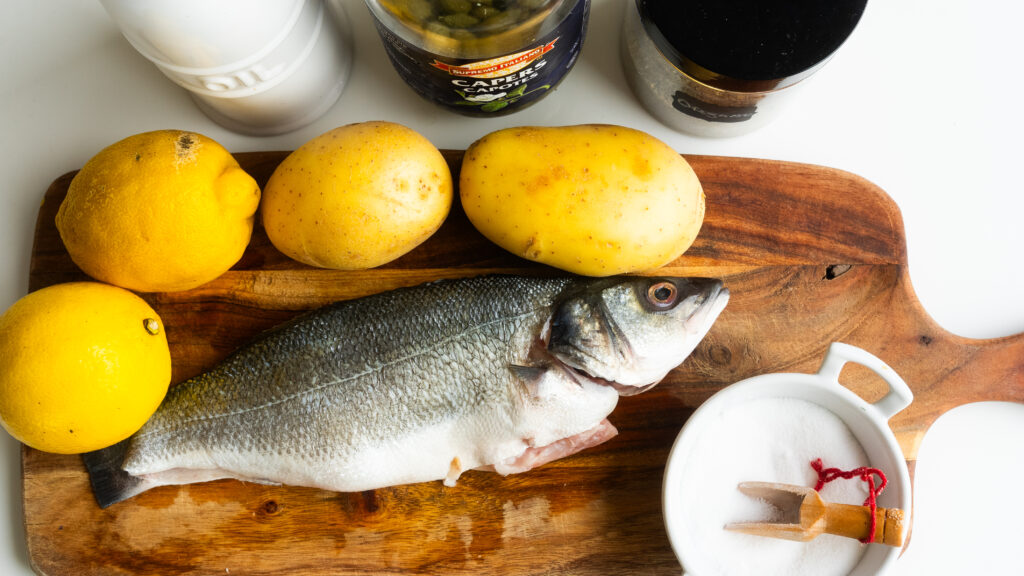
[(723, 67), (482, 57)]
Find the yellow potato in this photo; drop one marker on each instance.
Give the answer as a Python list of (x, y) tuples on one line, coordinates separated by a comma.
[(595, 200), (357, 196)]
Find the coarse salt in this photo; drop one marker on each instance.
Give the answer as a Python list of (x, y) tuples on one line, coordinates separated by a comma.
[(768, 440)]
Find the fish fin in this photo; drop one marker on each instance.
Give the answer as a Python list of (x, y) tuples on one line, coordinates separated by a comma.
[(110, 483), (529, 374), (534, 456), (532, 377), (454, 471), (265, 482), (539, 380)]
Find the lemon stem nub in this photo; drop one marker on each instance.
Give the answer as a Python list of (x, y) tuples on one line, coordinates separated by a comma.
[(152, 326)]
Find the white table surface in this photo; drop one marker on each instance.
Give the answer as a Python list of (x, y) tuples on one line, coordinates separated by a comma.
[(926, 100)]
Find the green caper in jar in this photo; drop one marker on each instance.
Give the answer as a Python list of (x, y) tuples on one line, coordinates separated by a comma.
[(458, 20), (455, 6), (454, 18), (417, 10), (484, 12), (504, 19)]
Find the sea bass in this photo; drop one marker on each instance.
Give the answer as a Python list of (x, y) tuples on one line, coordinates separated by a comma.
[(501, 373)]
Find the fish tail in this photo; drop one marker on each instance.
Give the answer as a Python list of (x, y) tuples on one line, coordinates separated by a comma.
[(110, 483)]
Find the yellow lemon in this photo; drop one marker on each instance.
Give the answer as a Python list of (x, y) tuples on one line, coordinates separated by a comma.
[(83, 365), (159, 211)]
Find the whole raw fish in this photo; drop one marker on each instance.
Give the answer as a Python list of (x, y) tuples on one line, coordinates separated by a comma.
[(418, 384)]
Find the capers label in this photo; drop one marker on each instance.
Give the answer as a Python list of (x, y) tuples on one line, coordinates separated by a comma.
[(484, 57)]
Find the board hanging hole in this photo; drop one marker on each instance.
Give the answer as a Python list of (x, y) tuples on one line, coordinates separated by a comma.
[(833, 271)]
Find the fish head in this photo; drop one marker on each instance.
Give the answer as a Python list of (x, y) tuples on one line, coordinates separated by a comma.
[(630, 332)]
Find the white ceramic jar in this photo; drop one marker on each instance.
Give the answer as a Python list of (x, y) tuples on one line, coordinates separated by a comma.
[(254, 66)]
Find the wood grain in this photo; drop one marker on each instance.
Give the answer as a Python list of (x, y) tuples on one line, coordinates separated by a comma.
[(812, 255)]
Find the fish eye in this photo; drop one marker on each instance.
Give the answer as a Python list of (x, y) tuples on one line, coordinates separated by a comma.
[(662, 294)]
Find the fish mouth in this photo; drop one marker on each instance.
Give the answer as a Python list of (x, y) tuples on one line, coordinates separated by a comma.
[(580, 376), (709, 313)]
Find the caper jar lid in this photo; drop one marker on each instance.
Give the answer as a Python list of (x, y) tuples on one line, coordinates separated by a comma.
[(470, 28), (749, 45)]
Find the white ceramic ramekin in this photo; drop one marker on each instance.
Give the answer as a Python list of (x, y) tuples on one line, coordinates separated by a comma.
[(867, 422)]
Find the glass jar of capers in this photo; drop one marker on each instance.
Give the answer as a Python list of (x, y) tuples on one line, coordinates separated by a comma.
[(482, 57)]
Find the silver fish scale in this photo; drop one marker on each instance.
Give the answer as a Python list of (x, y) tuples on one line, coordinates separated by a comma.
[(355, 374)]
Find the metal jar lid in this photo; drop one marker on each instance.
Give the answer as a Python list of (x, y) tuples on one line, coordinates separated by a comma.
[(749, 45)]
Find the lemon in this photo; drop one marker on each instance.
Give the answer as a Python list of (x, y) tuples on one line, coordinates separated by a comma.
[(83, 365), (159, 211)]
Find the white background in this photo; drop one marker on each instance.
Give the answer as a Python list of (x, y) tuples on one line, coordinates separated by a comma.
[(926, 100)]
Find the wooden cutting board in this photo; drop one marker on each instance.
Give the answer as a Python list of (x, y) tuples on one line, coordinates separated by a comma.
[(812, 255)]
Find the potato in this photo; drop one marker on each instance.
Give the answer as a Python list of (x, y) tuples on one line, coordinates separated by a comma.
[(595, 200), (357, 196)]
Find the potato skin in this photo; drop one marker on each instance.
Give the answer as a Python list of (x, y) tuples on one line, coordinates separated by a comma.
[(357, 196), (595, 200)]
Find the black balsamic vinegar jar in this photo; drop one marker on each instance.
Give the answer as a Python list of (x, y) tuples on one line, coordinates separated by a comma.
[(723, 67)]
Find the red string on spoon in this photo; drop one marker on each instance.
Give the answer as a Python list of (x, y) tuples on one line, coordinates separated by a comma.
[(826, 475)]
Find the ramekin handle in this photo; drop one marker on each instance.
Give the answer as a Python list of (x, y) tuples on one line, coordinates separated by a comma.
[(899, 395)]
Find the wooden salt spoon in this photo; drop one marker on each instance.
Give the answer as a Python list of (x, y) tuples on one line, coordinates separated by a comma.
[(805, 515)]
